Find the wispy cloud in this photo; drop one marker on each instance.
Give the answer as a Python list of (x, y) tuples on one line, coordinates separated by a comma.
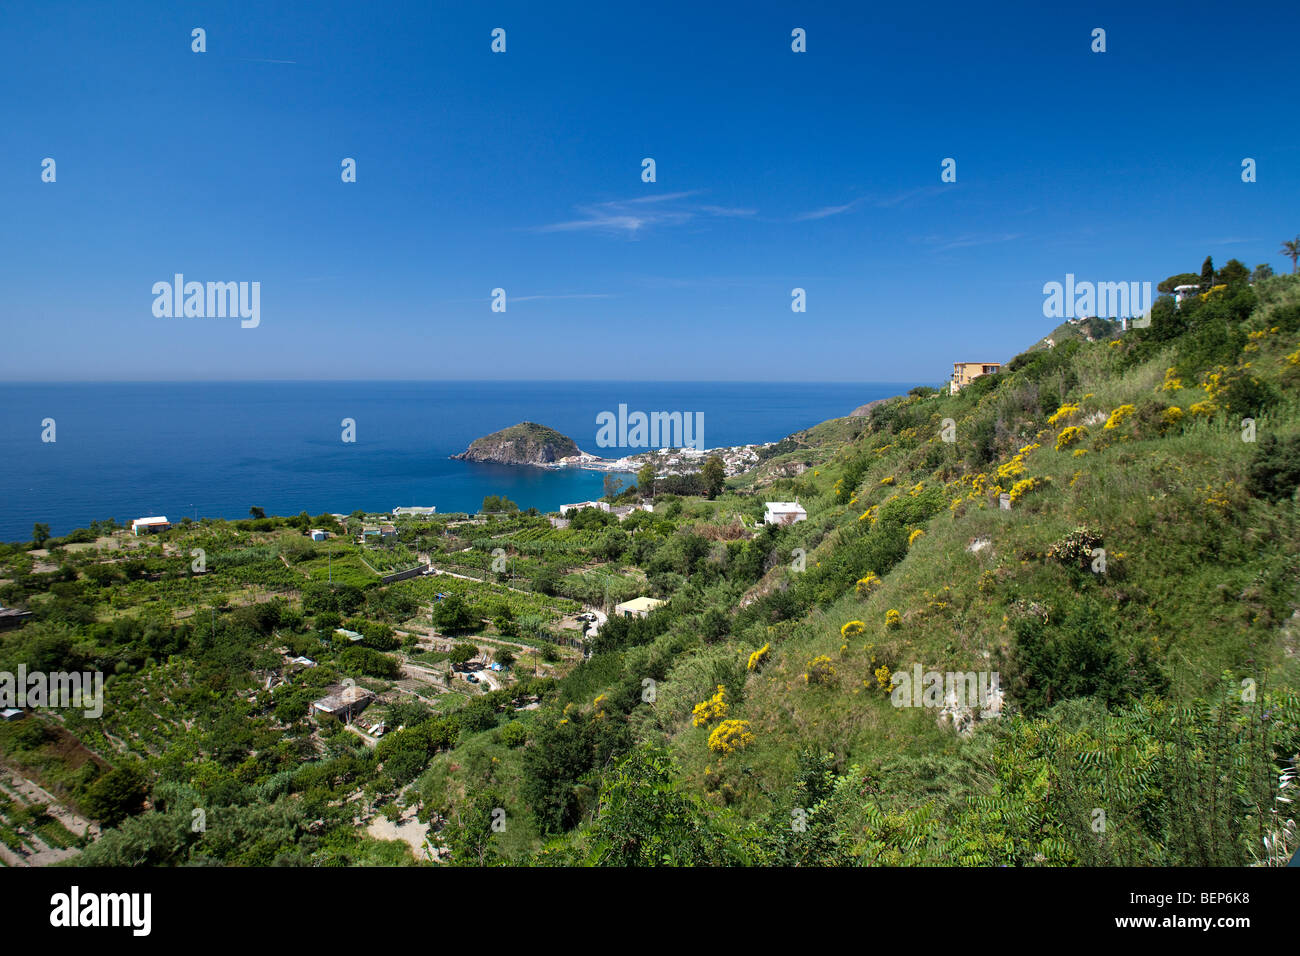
[(1230, 241), (945, 243), (573, 295), (630, 217), (826, 211), (876, 201)]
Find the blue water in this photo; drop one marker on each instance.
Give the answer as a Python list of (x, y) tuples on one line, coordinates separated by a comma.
[(216, 448)]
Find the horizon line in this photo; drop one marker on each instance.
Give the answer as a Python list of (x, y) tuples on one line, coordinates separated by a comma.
[(451, 381)]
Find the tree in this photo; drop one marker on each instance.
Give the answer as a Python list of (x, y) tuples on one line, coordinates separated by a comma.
[(612, 486), (493, 504), (463, 653), (714, 474), (40, 533), (116, 795), (1207, 273), (452, 614), (645, 479), (646, 819), (1233, 271), (1291, 249), (1173, 282), (256, 512), (504, 656), (1262, 271)]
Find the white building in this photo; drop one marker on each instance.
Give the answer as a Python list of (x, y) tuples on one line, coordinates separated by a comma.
[(1185, 292), (637, 607), (150, 525), (783, 512), (318, 535), (602, 505), (415, 510)]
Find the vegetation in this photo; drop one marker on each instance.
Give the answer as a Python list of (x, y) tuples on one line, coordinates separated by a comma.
[(1138, 604)]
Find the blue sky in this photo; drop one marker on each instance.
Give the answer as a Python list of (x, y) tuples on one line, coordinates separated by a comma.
[(522, 170)]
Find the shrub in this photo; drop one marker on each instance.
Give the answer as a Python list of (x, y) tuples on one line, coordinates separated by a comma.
[(819, 671), (1075, 549), (730, 736), (705, 712), (1275, 471), (867, 584), (1118, 416), (1070, 436)]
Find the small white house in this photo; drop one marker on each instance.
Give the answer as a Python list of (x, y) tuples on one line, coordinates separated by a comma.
[(637, 607), (149, 525), (318, 535), (565, 509), (418, 511), (1185, 292), (783, 512)]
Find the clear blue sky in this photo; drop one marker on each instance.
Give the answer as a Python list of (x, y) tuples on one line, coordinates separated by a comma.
[(477, 170)]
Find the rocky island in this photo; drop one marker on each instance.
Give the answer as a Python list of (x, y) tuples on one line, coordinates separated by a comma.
[(524, 444)]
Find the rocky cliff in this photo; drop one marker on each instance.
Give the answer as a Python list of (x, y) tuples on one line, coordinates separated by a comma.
[(524, 444)]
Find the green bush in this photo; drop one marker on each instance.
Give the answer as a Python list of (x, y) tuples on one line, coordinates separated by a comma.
[(1275, 471)]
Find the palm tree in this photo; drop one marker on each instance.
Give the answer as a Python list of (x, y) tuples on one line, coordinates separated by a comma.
[(1291, 249)]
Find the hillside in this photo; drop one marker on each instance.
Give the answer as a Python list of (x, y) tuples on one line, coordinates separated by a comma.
[(1105, 672), (524, 444)]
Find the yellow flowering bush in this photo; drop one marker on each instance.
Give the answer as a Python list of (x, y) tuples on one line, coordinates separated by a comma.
[(1205, 408), (757, 658), (917, 489), (1118, 416), (820, 670), (893, 619), (730, 736), (852, 629), (867, 585), (911, 538), (1214, 384), (1016, 465), (1022, 488), (1294, 358), (887, 480), (884, 678), (1061, 414), (1070, 437), (1170, 417), (1172, 382), (710, 710)]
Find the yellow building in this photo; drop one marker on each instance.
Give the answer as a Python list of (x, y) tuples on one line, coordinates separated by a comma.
[(963, 373)]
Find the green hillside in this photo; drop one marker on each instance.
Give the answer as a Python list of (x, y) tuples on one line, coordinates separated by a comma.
[(1134, 611)]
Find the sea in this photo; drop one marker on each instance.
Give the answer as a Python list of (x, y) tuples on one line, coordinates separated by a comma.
[(217, 449)]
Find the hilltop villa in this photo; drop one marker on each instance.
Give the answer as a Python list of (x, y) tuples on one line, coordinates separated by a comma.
[(963, 373)]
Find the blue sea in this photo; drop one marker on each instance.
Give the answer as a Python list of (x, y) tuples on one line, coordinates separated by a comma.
[(214, 449)]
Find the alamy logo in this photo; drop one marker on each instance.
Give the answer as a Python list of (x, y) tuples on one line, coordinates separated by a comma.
[(656, 430), (952, 691), (218, 300), (1106, 300), (73, 909), (59, 689)]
